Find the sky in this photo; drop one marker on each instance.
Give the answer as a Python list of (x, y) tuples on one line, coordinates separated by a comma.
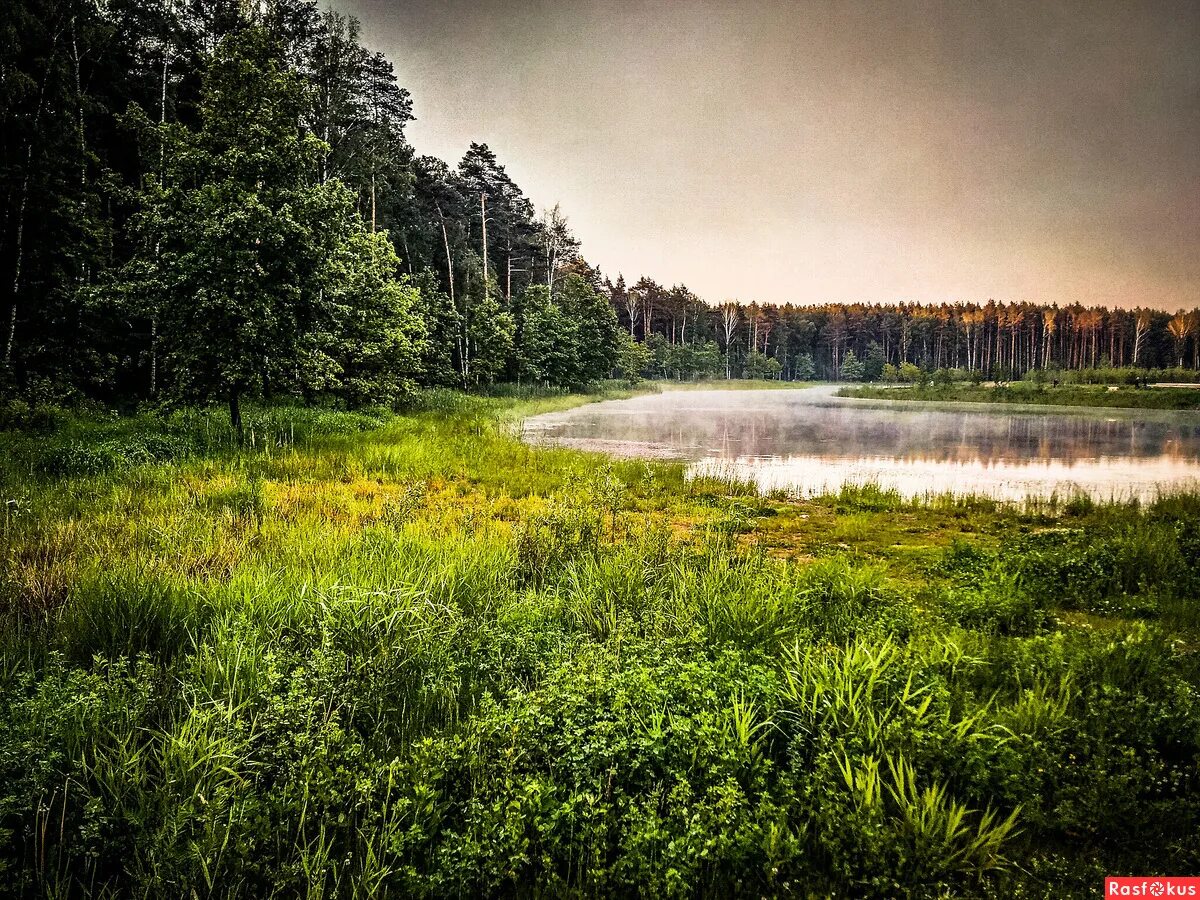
[(833, 151)]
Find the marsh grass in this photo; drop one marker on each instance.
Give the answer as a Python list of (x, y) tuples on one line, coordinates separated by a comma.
[(1038, 394), (407, 655)]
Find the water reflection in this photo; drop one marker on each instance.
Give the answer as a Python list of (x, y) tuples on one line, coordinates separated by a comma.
[(809, 441)]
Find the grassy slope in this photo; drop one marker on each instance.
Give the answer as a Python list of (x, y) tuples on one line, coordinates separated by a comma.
[(1029, 393), (413, 656)]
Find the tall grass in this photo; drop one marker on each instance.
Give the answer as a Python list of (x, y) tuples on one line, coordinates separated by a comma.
[(407, 655)]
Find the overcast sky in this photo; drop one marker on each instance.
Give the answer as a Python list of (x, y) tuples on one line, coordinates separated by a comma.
[(822, 151)]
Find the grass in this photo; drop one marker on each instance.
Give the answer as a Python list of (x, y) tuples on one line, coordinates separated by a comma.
[(408, 655), (1030, 393)]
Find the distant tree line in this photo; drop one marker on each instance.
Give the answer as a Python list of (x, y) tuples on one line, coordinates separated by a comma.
[(684, 337), (216, 200)]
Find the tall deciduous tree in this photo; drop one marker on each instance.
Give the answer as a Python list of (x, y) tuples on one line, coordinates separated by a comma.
[(596, 328), (266, 276)]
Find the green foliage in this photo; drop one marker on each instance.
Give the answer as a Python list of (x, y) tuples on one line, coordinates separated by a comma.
[(757, 365), (852, 368), (806, 370), (569, 340), (633, 358), (442, 324), (258, 280), (1115, 569), (987, 595), (491, 332), (382, 338), (685, 362), (548, 346), (407, 655), (1127, 375), (874, 362), (596, 331)]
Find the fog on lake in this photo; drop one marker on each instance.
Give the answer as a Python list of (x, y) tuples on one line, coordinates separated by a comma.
[(808, 441)]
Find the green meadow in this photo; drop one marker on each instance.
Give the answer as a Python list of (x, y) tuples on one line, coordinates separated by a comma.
[(1038, 393), (406, 655)]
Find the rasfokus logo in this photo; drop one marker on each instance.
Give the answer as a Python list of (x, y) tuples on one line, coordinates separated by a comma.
[(1151, 886)]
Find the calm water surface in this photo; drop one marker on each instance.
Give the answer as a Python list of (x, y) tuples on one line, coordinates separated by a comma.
[(808, 441)]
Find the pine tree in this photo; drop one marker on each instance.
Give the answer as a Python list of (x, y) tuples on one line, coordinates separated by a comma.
[(852, 368)]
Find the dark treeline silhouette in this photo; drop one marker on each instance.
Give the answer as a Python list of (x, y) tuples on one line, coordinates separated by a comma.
[(215, 200), (685, 335)]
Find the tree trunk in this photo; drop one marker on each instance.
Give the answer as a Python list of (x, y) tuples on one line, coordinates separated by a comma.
[(81, 135), (235, 414), (153, 355), (19, 258), (19, 247), (407, 255), (466, 330), (449, 258), (12, 331), (483, 224)]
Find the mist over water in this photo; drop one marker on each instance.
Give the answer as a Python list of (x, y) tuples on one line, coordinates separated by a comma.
[(809, 441)]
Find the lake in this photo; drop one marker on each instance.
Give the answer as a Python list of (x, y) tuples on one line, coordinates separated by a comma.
[(808, 441)]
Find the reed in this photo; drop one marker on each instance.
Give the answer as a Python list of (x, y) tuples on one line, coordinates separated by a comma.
[(404, 654)]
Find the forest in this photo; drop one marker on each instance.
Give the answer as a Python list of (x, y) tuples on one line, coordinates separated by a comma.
[(205, 201), (215, 201)]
